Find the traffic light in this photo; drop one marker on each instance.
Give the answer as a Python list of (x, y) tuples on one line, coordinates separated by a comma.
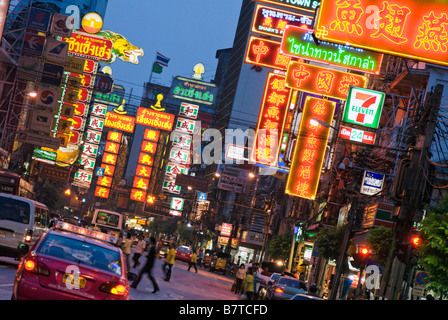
[(360, 258), (407, 251)]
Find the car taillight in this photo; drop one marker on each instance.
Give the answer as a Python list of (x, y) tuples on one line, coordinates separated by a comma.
[(279, 290), (33, 266), (114, 288)]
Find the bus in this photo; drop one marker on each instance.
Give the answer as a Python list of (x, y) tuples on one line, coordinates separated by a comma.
[(108, 221)]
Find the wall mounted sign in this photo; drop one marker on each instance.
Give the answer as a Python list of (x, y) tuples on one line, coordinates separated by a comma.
[(322, 81), (363, 107), (266, 53), (309, 152), (298, 43), (271, 120), (408, 28), (88, 46), (193, 90), (272, 21), (155, 119), (372, 183), (304, 5), (119, 122), (357, 135)]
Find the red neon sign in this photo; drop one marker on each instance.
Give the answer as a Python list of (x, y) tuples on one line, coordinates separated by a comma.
[(309, 152), (266, 53), (271, 121), (323, 81), (409, 28)]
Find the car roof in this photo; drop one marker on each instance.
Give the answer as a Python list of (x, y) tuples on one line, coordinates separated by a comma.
[(82, 238)]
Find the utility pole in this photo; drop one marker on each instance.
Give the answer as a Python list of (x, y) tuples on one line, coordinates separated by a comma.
[(409, 188), (343, 254)]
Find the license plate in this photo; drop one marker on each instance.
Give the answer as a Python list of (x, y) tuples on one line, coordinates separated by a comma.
[(75, 281), (2, 235)]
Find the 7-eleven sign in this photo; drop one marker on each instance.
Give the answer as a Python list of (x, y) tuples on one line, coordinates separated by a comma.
[(363, 107), (177, 204)]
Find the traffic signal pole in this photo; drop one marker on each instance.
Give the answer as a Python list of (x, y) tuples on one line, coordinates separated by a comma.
[(414, 183)]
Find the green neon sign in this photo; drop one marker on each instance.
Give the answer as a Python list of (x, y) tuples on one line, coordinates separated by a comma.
[(299, 43)]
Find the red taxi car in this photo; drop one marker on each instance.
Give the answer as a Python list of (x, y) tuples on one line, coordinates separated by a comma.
[(72, 263), (183, 253)]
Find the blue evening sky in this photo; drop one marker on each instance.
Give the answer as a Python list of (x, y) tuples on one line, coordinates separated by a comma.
[(186, 31)]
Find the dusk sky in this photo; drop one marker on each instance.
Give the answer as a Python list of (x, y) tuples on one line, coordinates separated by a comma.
[(186, 31)]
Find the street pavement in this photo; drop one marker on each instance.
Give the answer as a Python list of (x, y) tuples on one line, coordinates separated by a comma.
[(183, 285)]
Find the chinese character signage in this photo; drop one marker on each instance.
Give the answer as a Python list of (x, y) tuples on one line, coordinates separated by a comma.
[(299, 43), (266, 53), (363, 107), (271, 121), (309, 152), (188, 110), (323, 81), (272, 21), (412, 29)]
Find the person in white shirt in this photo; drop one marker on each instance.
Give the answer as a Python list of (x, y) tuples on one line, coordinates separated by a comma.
[(138, 251)]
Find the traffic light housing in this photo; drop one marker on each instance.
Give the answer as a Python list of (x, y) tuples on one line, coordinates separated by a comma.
[(407, 251), (360, 258)]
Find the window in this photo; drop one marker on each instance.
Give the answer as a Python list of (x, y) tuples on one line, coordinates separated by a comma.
[(108, 219), (41, 216), (81, 252), (14, 210)]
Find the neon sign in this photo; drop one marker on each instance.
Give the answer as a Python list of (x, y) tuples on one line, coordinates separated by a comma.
[(408, 28), (194, 90), (298, 42), (304, 5), (155, 119), (272, 21), (266, 53), (323, 81), (357, 135), (363, 107), (271, 120), (309, 152), (119, 122), (88, 46)]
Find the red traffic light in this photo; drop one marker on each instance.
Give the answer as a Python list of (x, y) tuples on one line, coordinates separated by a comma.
[(364, 251), (416, 241)]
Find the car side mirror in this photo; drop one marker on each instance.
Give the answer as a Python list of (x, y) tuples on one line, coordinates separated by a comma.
[(24, 248), (131, 276)]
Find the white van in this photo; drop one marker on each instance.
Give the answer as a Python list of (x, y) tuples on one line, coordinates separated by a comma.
[(22, 221)]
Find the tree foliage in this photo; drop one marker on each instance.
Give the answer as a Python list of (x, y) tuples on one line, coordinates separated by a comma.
[(380, 241), (434, 249), (50, 195), (279, 247), (329, 241)]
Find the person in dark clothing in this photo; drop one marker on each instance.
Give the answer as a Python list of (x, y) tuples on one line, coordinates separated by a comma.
[(147, 268)]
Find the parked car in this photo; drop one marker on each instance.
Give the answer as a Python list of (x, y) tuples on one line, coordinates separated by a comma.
[(301, 296), (262, 291), (183, 253), (284, 288), (165, 248), (72, 263)]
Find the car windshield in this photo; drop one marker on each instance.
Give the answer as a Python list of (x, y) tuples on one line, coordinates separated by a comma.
[(290, 283), (14, 210), (183, 249), (275, 276), (81, 252)]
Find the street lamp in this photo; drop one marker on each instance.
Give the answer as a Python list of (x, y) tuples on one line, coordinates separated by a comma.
[(251, 175)]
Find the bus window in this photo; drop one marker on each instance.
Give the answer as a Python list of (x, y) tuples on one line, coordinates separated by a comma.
[(41, 217), (14, 210), (108, 219)]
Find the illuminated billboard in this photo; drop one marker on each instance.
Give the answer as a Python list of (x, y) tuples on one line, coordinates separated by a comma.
[(299, 43), (119, 122), (155, 119), (88, 46), (303, 5), (266, 53), (272, 21), (271, 120), (323, 81), (309, 152), (413, 29), (364, 107)]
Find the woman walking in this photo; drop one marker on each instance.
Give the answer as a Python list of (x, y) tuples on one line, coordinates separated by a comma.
[(240, 276)]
